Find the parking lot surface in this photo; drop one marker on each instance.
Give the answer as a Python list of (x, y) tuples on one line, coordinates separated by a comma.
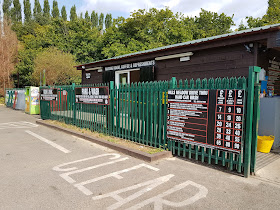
[(46, 169)]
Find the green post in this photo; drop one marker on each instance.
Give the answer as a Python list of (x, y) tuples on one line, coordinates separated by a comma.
[(256, 117), (74, 104), (249, 120), (111, 109), (173, 85)]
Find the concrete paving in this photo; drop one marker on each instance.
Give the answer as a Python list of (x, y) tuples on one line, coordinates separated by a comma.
[(46, 169)]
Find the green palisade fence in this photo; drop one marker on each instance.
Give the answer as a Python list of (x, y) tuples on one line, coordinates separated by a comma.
[(138, 112)]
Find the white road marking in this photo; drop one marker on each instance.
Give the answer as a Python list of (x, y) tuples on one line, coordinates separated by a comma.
[(159, 201), (20, 124), (116, 175), (66, 177), (151, 184), (58, 168), (62, 149)]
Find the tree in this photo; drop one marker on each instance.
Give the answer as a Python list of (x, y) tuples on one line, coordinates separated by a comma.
[(55, 10), (7, 8), (211, 24), (145, 29), (63, 13), (87, 17), (27, 11), (8, 53), (241, 26), (46, 10), (16, 11), (94, 18), (73, 13), (59, 67), (272, 15), (108, 21), (37, 12), (254, 22), (101, 21)]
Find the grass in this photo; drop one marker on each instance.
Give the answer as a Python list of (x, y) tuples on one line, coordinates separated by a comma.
[(112, 139), (2, 100)]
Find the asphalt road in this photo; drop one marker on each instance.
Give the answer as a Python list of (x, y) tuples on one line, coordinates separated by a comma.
[(46, 169)]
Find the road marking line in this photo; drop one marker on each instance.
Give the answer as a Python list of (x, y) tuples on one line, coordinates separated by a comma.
[(159, 199), (58, 168), (66, 177), (150, 185), (62, 149), (116, 175), (20, 124)]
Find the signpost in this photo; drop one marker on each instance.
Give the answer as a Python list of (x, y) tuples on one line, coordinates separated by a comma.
[(210, 118), (92, 95)]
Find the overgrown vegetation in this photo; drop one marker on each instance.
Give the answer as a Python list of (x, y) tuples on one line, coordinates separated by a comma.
[(93, 36)]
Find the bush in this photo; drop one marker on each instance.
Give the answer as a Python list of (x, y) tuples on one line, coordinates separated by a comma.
[(2, 100)]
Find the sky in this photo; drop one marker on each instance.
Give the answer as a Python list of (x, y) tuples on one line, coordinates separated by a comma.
[(239, 8)]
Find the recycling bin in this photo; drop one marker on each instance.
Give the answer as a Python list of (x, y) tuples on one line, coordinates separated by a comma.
[(32, 100)]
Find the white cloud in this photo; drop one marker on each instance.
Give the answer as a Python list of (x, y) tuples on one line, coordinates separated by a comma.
[(240, 8)]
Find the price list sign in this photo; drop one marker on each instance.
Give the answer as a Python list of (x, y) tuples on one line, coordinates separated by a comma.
[(210, 118), (229, 119), (188, 115)]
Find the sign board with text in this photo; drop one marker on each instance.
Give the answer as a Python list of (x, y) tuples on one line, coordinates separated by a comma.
[(92, 95), (48, 94), (209, 118)]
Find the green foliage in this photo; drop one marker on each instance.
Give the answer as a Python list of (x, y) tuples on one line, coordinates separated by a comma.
[(2, 100), (101, 21), (94, 19), (254, 22), (55, 10), (27, 11), (272, 15), (46, 10), (37, 12), (211, 24), (16, 11), (241, 26), (59, 67), (63, 13), (155, 28), (108, 21), (7, 8), (87, 17), (73, 13)]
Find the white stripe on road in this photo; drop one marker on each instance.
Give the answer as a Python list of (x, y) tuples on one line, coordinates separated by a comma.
[(20, 124), (62, 149)]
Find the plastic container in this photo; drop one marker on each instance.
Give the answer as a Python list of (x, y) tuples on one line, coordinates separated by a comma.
[(265, 143)]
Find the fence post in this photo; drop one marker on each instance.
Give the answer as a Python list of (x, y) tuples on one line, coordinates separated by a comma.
[(173, 85), (74, 104), (111, 112), (249, 119), (256, 117)]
